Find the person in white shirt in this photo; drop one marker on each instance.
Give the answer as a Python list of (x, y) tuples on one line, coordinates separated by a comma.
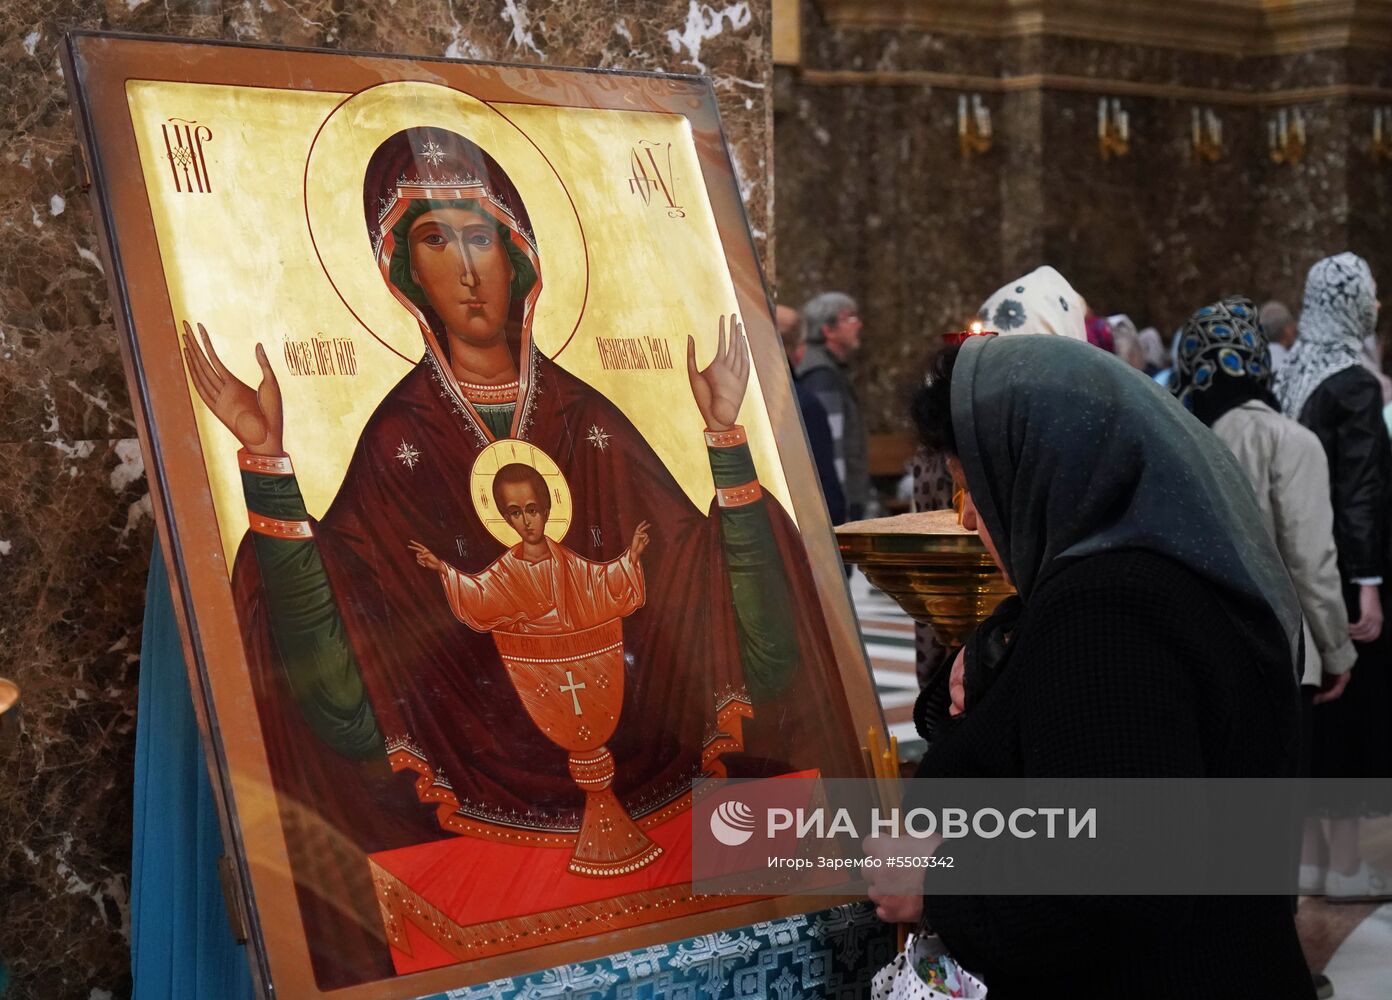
[(1281, 330)]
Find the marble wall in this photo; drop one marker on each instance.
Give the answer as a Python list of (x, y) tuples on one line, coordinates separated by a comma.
[(879, 202), (75, 516), (874, 197)]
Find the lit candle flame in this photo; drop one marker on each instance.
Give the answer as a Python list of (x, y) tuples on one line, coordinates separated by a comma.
[(976, 327)]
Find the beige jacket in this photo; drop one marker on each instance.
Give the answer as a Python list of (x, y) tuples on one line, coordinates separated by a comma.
[(1290, 476)]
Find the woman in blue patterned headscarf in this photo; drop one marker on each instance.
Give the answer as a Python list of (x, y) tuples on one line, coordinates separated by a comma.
[(1223, 360), (1224, 376)]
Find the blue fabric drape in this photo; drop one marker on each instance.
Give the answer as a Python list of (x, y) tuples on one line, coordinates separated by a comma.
[(181, 944)]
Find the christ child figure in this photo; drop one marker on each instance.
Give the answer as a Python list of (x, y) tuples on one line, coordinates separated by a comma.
[(554, 616), (539, 587)]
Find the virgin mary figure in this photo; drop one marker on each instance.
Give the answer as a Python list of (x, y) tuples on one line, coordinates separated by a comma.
[(391, 723)]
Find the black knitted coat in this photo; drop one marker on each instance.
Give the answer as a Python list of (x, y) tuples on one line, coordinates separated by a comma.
[(1124, 664)]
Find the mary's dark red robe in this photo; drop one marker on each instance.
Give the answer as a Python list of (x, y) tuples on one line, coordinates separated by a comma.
[(729, 664)]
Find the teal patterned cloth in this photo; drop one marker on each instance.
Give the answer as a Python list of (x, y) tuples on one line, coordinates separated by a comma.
[(181, 945), (831, 954)]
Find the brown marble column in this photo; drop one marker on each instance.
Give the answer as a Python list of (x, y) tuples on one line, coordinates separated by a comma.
[(75, 518)]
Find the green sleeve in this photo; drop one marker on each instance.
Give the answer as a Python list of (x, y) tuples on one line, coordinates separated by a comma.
[(763, 601), (306, 626)]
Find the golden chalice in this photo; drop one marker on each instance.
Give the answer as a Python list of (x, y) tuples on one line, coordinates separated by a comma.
[(564, 654), (551, 674), (935, 569)]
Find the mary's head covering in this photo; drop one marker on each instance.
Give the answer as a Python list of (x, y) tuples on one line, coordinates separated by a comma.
[(1339, 311), (1040, 302), (418, 169), (1068, 454), (1223, 360)]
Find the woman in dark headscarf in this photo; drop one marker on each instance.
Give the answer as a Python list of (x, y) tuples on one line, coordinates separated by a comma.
[(1155, 634), (1328, 386)]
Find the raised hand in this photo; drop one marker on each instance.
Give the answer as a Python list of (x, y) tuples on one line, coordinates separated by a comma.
[(255, 417), (719, 387), (425, 557), (640, 541)]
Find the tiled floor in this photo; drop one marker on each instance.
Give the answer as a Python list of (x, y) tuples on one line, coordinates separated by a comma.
[(1361, 966), (1351, 942), (889, 641)]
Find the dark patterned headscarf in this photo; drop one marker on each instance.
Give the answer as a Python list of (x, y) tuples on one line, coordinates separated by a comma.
[(1223, 360), (1340, 309)]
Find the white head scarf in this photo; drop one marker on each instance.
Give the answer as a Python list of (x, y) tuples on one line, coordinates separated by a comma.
[(1126, 341), (1123, 324), (1041, 302), (1153, 347), (1339, 311)]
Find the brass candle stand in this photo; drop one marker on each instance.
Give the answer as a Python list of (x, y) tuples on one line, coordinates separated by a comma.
[(1113, 129), (1381, 147), (1206, 136), (938, 572), (973, 126), (1285, 137)]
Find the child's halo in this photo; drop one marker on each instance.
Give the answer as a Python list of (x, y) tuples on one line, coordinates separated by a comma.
[(506, 452)]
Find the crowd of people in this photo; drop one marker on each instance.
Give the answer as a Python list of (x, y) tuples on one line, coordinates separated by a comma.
[(1198, 539)]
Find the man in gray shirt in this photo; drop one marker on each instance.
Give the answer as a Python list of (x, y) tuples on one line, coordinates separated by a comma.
[(1281, 331), (833, 337)]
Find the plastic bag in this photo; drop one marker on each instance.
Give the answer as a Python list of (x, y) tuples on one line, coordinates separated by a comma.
[(925, 971)]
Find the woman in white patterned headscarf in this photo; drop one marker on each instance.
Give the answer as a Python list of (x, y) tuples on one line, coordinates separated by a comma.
[(1327, 386), (1039, 302), (1339, 314)]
